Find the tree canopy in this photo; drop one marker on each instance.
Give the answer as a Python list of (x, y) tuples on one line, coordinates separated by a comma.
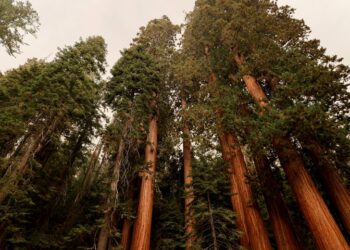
[(229, 131), (18, 18)]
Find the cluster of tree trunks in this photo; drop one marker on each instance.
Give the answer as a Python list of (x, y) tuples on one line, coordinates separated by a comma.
[(277, 209), (112, 197), (322, 225), (249, 221), (28, 148)]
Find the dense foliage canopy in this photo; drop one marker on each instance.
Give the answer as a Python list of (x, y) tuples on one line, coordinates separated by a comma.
[(229, 131)]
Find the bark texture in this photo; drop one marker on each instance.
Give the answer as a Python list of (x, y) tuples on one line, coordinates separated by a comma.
[(236, 199), (257, 232), (322, 225), (126, 234), (325, 231), (142, 227), (332, 182), (277, 209)]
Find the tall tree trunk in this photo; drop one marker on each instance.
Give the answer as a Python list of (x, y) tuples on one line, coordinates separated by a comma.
[(75, 209), (236, 199), (189, 195), (257, 232), (236, 196), (252, 221), (277, 209), (142, 227), (241, 198), (212, 225), (126, 234), (127, 223), (9, 148), (19, 164), (89, 175), (321, 223), (113, 197), (103, 237), (22, 142), (64, 172), (331, 181)]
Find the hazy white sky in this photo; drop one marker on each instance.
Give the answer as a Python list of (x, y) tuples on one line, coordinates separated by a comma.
[(64, 21)]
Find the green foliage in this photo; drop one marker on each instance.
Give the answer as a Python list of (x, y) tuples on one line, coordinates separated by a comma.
[(16, 92), (17, 18), (134, 83), (68, 88), (308, 101), (306, 87), (212, 202), (168, 225)]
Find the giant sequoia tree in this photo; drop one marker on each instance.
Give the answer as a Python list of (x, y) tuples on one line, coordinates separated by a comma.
[(229, 131), (239, 43), (133, 91)]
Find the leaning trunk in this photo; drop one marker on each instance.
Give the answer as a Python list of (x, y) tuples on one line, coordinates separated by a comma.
[(89, 176), (113, 196), (126, 234), (236, 199), (331, 181), (257, 232), (187, 181), (251, 219), (236, 195), (321, 223), (19, 164), (277, 209), (142, 227)]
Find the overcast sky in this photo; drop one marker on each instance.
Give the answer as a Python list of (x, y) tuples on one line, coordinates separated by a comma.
[(64, 21)]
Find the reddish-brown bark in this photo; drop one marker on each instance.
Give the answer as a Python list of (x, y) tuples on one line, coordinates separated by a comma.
[(277, 209), (187, 180), (321, 223), (142, 227), (126, 234), (103, 236), (258, 236), (250, 219), (332, 182), (236, 200), (239, 202)]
